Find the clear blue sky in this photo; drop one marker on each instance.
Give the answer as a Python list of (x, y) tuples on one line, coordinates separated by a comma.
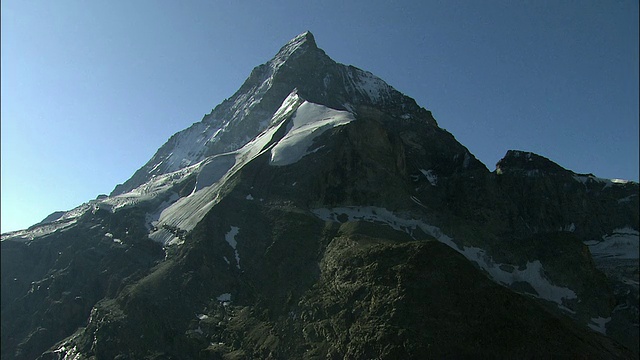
[(90, 89)]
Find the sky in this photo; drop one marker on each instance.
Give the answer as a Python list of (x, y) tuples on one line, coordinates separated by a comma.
[(91, 89)]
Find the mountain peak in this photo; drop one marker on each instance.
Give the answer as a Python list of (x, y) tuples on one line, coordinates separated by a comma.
[(531, 163), (298, 44), (305, 37)]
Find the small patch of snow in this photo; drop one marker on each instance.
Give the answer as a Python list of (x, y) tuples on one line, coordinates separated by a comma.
[(570, 228), (585, 179), (249, 197), (230, 237), (467, 159), (176, 241), (417, 201), (619, 181), (599, 324), (431, 176)]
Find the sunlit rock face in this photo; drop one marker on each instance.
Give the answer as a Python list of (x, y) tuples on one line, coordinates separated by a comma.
[(319, 213)]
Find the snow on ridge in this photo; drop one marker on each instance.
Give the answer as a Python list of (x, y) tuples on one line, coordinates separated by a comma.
[(369, 85), (309, 121), (626, 230), (189, 146), (622, 243), (186, 212), (619, 181), (290, 103), (587, 178), (533, 272), (40, 230), (155, 187)]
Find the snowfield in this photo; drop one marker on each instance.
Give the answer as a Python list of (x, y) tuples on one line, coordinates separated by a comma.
[(309, 121), (620, 244)]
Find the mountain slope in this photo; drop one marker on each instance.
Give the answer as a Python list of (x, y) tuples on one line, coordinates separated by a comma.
[(300, 65), (319, 213)]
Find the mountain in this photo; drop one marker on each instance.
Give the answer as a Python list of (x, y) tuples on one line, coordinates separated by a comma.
[(320, 213)]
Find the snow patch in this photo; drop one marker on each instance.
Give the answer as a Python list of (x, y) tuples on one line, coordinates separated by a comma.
[(622, 243), (290, 103), (599, 324), (586, 179), (151, 219), (430, 175), (466, 161), (213, 169), (40, 230), (619, 181), (176, 241), (185, 213), (309, 121), (230, 237), (570, 228), (66, 353), (369, 85), (152, 189)]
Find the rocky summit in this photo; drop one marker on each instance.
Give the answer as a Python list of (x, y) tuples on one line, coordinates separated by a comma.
[(318, 213)]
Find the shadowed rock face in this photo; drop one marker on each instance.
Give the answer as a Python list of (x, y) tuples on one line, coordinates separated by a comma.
[(385, 239)]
